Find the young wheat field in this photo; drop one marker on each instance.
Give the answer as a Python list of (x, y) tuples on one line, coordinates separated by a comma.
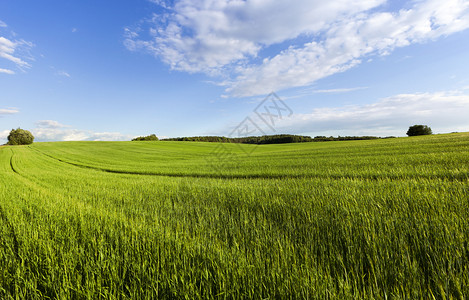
[(156, 220)]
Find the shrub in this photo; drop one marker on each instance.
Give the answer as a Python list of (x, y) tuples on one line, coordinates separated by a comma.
[(20, 137), (419, 130)]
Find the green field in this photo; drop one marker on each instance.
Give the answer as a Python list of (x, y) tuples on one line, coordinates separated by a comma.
[(146, 220)]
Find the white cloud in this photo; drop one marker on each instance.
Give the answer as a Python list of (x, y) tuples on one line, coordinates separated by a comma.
[(49, 124), (221, 37), (443, 111), (8, 49), (205, 36), (14, 51), (348, 42), (7, 71), (161, 3), (49, 130), (58, 134), (109, 136), (9, 111), (74, 30), (4, 136), (336, 91)]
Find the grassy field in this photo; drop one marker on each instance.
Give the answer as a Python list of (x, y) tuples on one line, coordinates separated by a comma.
[(146, 220)]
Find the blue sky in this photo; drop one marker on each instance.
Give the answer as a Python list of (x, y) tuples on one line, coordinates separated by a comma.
[(113, 70)]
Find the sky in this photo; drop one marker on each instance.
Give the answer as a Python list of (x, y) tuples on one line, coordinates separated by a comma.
[(114, 70)]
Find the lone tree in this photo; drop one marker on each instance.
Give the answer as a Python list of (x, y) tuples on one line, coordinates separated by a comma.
[(20, 137), (419, 130)]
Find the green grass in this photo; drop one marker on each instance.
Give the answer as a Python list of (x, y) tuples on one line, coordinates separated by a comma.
[(145, 220)]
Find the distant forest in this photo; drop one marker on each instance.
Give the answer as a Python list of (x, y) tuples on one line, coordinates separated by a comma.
[(271, 139)]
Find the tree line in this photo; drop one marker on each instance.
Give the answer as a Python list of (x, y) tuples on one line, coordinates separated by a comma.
[(270, 139), (24, 137)]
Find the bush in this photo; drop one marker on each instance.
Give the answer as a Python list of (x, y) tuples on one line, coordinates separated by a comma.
[(151, 137), (419, 130), (20, 137)]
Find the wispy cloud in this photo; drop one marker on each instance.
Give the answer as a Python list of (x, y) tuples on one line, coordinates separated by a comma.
[(8, 111), (225, 38), (64, 74), (50, 130), (7, 71), (50, 124), (334, 91), (443, 111), (161, 3), (312, 90), (8, 49), (14, 51)]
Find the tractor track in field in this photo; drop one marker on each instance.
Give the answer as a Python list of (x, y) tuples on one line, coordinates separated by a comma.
[(29, 180), (461, 178), (214, 176), (11, 163), (219, 176)]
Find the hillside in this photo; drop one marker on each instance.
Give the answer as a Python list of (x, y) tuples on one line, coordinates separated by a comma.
[(353, 219)]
